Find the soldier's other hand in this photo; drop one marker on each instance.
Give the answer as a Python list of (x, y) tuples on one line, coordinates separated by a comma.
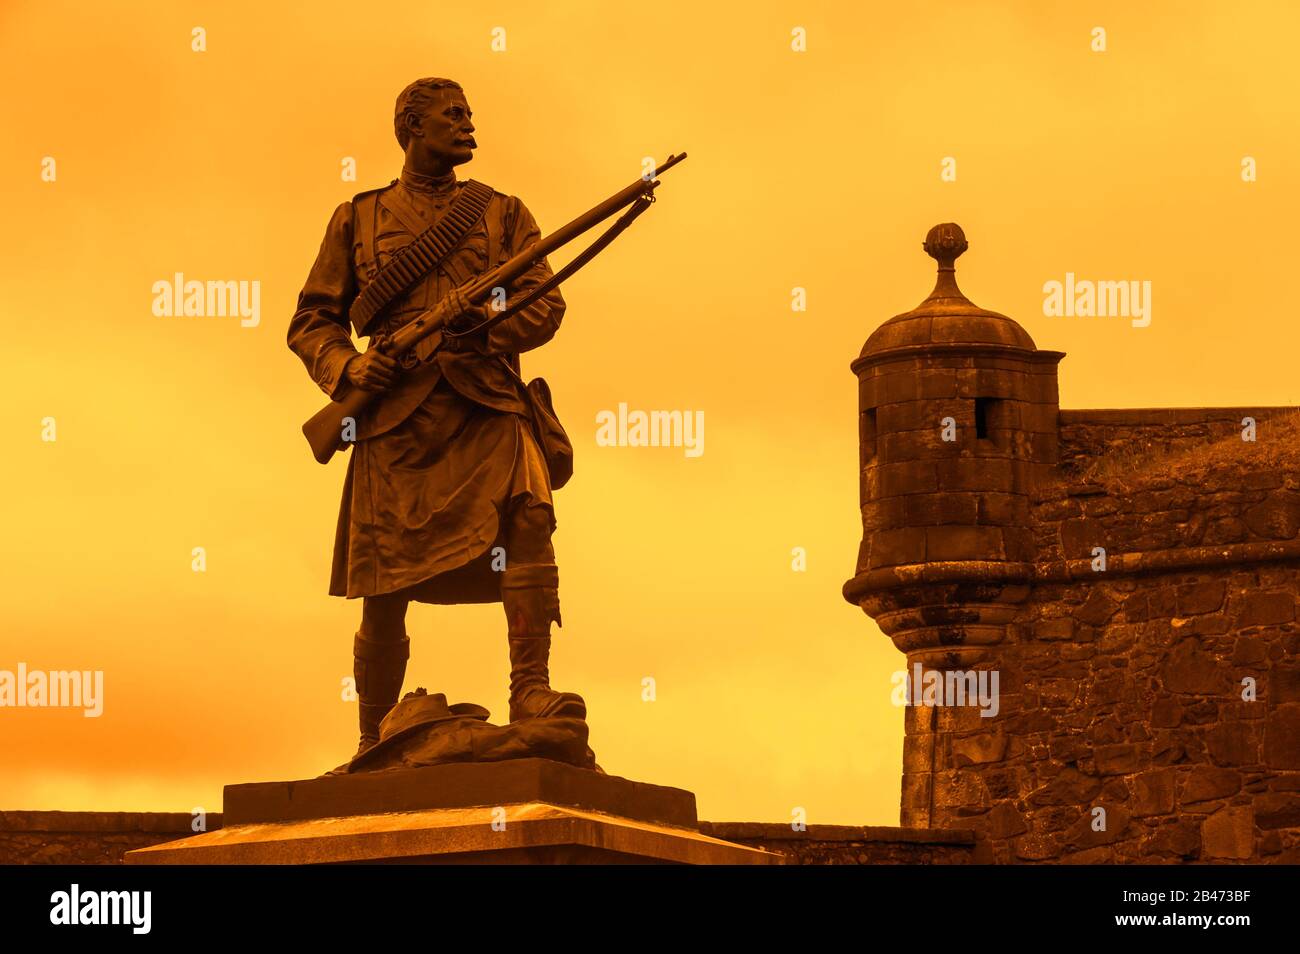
[(372, 371), (464, 315)]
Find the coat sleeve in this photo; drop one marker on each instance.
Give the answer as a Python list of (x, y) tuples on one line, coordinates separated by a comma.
[(536, 324), (318, 333)]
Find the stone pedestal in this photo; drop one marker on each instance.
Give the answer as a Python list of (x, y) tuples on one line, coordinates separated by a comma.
[(525, 811)]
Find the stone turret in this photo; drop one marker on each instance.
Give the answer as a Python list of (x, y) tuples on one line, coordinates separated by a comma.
[(957, 422), (1098, 607)]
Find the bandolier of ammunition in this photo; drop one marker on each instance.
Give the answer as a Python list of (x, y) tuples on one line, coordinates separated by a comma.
[(415, 261)]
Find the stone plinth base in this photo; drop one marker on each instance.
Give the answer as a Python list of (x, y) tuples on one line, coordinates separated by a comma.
[(458, 785), (531, 833), (527, 811)]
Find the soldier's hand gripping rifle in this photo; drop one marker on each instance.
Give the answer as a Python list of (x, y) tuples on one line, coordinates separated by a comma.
[(326, 429)]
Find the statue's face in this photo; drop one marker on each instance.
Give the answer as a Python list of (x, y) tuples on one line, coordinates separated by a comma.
[(446, 128)]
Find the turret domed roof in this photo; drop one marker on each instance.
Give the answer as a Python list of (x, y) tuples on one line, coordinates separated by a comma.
[(947, 317)]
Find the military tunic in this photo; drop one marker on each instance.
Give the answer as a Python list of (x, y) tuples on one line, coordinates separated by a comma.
[(446, 453)]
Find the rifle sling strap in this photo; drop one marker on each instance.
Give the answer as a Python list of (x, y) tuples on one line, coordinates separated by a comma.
[(412, 263)]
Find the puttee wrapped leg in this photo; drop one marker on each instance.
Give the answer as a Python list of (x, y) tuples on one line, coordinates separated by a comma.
[(530, 593), (379, 667)]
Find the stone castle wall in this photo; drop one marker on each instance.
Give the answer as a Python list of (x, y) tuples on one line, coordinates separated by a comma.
[(1162, 687), (1086, 436), (853, 845), (1119, 585), (88, 838)]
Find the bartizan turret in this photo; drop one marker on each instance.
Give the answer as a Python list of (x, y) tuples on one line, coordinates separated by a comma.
[(957, 421)]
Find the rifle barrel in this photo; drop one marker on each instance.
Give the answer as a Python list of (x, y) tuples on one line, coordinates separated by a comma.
[(510, 270)]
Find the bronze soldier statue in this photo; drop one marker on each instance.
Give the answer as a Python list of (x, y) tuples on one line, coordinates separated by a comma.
[(447, 497)]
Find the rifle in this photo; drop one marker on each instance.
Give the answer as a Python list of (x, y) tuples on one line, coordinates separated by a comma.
[(325, 429)]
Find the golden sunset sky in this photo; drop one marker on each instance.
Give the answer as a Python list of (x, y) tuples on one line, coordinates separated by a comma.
[(816, 169)]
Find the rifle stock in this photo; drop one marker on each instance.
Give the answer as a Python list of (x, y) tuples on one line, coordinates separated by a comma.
[(325, 430)]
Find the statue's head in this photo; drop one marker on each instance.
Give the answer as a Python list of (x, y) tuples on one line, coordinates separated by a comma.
[(433, 118)]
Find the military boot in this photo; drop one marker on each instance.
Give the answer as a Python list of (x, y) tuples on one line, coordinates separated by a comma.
[(531, 596), (379, 667)]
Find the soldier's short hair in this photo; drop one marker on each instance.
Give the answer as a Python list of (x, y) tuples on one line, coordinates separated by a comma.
[(414, 99)]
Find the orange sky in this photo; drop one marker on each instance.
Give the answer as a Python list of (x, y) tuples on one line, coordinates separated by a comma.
[(817, 169)]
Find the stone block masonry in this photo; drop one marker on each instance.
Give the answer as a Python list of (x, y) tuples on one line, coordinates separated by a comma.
[(1132, 577), (88, 838)]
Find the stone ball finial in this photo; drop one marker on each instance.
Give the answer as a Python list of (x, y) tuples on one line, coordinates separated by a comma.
[(944, 243), (946, 317)]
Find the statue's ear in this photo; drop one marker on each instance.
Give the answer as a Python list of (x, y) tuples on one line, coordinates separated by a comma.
[(413, 122)]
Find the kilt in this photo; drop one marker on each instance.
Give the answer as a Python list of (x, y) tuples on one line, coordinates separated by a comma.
[(425, 503)]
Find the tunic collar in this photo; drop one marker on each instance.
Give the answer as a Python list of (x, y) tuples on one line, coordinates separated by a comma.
[(428, 184)]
